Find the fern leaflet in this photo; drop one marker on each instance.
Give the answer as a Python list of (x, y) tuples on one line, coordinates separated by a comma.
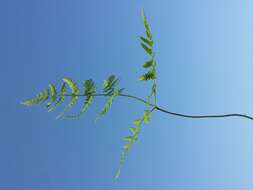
[(148, 64), (89, 92), (150, 75), (147, 49), (146, 25), (110, 84), (108, 104), (148, 42), (53, 95), (74, 90), (61, 98), (39, 98)]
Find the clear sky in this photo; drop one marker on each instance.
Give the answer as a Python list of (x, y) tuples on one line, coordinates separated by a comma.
[(204, 56)]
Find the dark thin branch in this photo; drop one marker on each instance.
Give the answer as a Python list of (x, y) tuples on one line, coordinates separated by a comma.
[(174, 113), (205, 116)]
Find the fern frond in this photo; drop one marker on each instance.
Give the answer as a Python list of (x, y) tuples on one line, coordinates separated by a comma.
[(61, 98), (146, 116), (90, 90), (130, 139), (137, 122), (39, 98), (150, 75), (53, 95), (74, 90), (108, 104), (146, 25)]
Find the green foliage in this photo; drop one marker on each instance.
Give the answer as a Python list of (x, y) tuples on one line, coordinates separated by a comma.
[(146, 116), (148, 64), (89, 91), (72, 85), (39, 98), (108, 104), (135, 130), (132, 138), (53, 94), (152, 93), (74, 92), (110, 84), (137, 122), (147, 49), (147, 44), (61, 98), (110, 89), (146, 25), (150, 75), (89, 87)]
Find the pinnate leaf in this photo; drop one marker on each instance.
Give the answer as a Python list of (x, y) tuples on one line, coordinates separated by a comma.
[(137, 122), (148, 42), (39, 98), (61, 98), (53, 94), (148, 64), (147, 49)]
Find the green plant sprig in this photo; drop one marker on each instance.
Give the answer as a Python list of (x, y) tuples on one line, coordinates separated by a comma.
[(112, 91)]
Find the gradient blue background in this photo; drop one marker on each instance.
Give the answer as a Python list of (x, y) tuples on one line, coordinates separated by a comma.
[(204, 53)]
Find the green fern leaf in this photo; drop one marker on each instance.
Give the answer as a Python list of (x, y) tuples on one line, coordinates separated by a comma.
[(150, 75), (89, 92), (146, 116), (126, 148), (124, 153), (39, 98), (53, 95), (110, 84), (137, 122), (61, 98), (134, 130), (74, 90), (108, 104), (152, 93), (129, 138), (146, 25), (148, 42), (147, 49), (89, 87), (72, 85), (148, 64)]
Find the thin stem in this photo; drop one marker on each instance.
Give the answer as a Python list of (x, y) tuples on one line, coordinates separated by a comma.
[(155, 107), (204, 116)]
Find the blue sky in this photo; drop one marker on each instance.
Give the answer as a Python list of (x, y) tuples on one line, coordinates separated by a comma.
[(204, 54)]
